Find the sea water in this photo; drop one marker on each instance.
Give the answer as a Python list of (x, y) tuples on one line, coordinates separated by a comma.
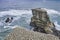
[(22, 18)]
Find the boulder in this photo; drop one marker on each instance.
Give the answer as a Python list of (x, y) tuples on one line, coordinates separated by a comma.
[(9, 20)]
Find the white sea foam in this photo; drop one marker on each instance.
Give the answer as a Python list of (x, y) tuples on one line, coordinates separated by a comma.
[(15, 12), (52, 11), (53, 14), (11, 27), (57, 25)]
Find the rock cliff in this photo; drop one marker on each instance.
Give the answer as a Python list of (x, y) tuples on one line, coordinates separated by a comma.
[(23, 34), (40, 21)]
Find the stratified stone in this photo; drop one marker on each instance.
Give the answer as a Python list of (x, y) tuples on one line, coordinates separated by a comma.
[(40, 21)]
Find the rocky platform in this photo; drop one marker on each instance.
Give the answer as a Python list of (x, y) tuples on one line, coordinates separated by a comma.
[(23, 34)]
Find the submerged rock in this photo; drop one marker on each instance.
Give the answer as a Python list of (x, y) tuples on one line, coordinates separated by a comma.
[(23, 34), (40, 21)]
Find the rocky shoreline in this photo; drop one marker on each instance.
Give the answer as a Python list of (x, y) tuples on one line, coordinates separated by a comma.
[(23, 34), (44, 29)]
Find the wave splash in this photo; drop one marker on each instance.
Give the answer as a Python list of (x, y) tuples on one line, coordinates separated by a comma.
[(23, 18), (20, 17)]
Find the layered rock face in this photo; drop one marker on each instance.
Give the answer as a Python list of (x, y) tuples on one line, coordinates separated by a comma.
[(23, 34), (40, 21)]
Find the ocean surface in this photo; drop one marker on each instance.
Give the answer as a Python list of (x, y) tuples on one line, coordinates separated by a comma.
[(22, 18)]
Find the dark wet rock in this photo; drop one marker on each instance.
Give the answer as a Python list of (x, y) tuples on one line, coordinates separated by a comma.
[(56, 32), (9, 20)]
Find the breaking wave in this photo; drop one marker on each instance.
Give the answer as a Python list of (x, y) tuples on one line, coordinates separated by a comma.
[(54, 17), (20, 17)]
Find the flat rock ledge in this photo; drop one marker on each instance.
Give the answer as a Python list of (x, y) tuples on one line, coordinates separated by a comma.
[(23, 34)]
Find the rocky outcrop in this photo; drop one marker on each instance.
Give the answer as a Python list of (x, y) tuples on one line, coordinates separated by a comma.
[(9, 20), (23, 34), (40, 21)]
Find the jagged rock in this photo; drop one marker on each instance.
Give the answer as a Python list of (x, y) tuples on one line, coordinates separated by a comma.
[(9, 20), (40, 21), (23, 34)]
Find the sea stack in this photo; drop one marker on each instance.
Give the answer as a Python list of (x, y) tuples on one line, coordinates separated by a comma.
[(40, 21)]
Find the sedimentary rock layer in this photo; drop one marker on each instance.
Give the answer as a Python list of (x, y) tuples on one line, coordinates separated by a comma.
[(40, 21)]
